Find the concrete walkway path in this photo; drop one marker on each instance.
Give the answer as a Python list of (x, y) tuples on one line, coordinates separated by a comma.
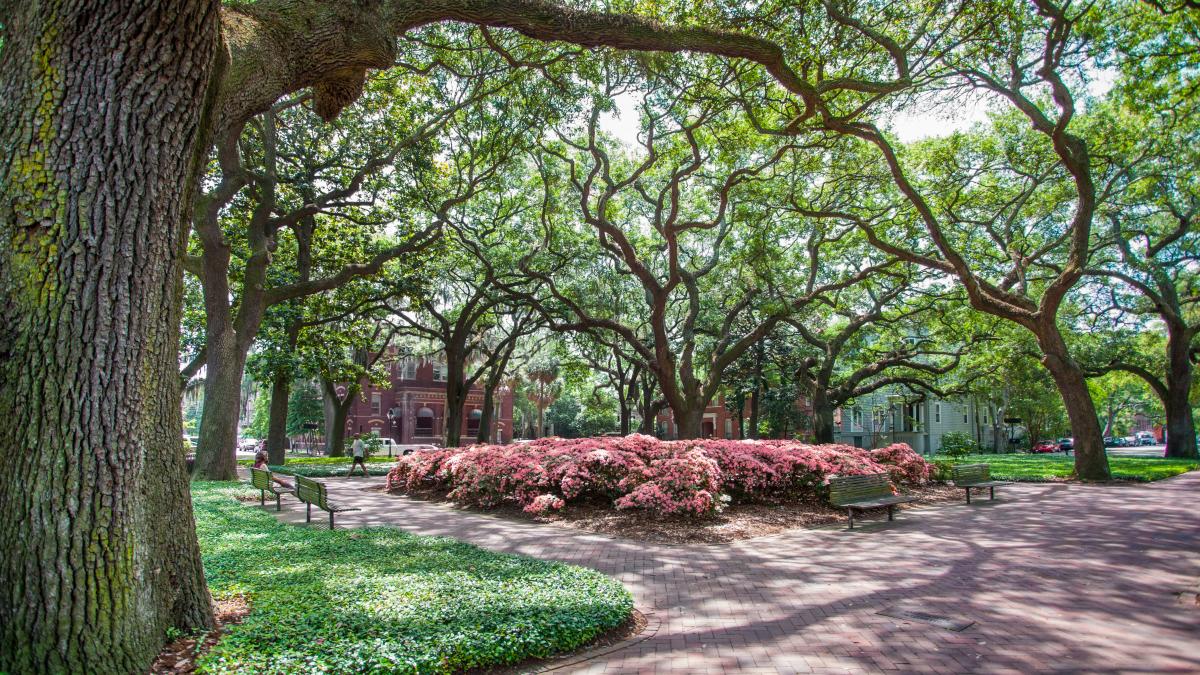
[(1055, 577)]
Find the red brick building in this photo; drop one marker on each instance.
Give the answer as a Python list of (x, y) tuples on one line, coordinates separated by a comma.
[(412, 410)]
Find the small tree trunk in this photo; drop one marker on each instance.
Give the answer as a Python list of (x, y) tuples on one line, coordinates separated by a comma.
[(1091, 461), (484, 434), (281, 389), (216, 457), (328, 410), (626, 412), (541, 421), (755, 406), (456, 394), (741, 415)]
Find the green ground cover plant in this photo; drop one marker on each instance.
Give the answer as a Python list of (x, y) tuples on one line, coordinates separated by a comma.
[(1021, 467), (383, 601), (328, 467)]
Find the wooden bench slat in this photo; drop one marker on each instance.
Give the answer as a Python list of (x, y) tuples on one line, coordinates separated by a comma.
[(969, 476), (261, 480), (857, 493), (313, 493)]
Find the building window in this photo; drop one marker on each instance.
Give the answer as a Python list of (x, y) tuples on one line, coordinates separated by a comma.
[(856, 419), (439, 372), (378, 431), (937, 412), (473, 421), (409, 370), (424, 422), (728, 428), (965, 412), (985, 415), (376, 403)]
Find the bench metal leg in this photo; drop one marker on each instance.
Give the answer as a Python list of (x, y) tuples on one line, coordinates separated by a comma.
[(992, 489), (850, 512), (891, 511), (331, 520), (262, 497), (278, 503), (308, 513), (968, 495)]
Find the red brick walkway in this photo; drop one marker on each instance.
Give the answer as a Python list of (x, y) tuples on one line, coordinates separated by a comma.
[(1058, 578)]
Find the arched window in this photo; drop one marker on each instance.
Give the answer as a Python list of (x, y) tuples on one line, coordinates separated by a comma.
[(473, 421), (425, 422)]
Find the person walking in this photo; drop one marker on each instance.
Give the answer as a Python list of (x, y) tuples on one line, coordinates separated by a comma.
[(359, 450)]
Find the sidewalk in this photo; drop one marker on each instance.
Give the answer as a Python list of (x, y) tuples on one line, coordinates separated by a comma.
[(1056, 577)]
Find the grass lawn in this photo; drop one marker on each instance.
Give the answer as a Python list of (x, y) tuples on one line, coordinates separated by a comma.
[(1051, 467), (380, 600), (325, 467)]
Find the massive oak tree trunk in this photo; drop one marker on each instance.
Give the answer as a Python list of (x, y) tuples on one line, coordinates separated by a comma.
[(822, 418), (1181, 429), (688, 422), (1091, 461), (101, 119)]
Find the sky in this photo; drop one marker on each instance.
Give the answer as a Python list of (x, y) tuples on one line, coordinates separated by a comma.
[(919, 121), (925, 118)]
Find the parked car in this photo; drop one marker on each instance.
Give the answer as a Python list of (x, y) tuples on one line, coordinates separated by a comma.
[(1131, 442), (1066, 444), (1110, 442), (1145, 438), (248, 444), (1045, 446), (388, 447)]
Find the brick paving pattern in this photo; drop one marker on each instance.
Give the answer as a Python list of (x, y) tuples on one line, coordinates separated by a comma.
[(1056, 577)]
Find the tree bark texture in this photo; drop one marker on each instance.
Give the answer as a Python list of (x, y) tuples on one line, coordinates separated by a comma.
[(484, 435), (1091, 460), (102, 112), (216, 449), (822, 417), (688, 423), (456, 396), (281, 389), (338, 409), (1181, 428)]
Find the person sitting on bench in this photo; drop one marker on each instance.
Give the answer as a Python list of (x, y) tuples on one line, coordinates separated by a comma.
[(260, 462)]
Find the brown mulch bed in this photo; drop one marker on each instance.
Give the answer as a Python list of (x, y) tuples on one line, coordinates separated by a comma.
[(179, 655), (628, 628), (740, 521)]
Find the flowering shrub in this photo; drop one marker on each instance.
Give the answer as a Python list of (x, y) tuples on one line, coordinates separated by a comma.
[(903, 464), (640, 472)]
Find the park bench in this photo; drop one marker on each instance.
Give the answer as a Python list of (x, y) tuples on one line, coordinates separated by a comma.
[(858, 493), (312, 493), (967, 476), (261, 479)]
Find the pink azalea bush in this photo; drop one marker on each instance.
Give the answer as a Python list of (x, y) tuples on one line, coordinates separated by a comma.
[(691, 477)]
